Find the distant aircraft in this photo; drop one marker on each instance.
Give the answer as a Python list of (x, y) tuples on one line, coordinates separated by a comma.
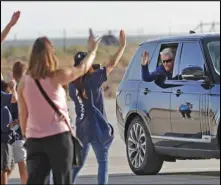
[(107, 40), (192, 32)]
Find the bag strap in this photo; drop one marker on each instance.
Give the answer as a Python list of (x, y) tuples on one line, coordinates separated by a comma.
[(51, 103)]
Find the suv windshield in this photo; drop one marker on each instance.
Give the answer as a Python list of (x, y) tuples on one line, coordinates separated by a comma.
[(214, 51)]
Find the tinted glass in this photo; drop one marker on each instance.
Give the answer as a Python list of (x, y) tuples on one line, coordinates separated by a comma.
[(191, 56), (135, 69), (214, 52)]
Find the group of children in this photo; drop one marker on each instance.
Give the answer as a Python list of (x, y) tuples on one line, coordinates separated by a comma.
[(12, 149)]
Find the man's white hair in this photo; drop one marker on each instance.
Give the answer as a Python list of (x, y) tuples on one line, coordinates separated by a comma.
[(169, 52)]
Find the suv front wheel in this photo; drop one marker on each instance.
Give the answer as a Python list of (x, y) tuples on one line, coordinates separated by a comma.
[(142, 158)]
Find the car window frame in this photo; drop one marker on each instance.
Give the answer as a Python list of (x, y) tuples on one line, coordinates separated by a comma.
[(214, 65), (137, 54), (204, 59), (130, 65), (214, 77)]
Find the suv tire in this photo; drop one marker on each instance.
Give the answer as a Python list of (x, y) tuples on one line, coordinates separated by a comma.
[(142, 158)]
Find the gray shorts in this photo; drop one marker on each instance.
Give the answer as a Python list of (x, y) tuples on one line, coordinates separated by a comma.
[(7, 160), (19, 152)]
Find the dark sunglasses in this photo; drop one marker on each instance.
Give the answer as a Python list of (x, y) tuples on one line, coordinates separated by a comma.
[(167, 61)]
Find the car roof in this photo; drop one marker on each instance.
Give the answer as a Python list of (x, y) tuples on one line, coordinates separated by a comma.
[(195, 36)]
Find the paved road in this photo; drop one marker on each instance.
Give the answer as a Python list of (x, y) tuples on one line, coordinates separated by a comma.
[(207, 178), (181, 172)]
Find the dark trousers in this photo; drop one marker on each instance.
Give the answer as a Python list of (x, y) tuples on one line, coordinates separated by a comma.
[(50, 153), (186, 113)]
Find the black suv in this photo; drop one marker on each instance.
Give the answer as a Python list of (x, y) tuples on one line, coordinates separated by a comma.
[(149, 117)]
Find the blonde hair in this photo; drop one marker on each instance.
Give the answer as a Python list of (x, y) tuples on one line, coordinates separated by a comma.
[(43, 62)]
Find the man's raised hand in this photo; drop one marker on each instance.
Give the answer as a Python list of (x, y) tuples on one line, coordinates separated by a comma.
[(145, 58)]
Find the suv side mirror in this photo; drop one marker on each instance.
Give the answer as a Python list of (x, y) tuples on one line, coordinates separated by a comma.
[(193, 73)]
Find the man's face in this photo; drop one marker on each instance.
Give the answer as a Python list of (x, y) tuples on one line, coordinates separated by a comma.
[(168, 62)]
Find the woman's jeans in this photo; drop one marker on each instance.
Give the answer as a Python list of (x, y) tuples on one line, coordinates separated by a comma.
[(102, 160)]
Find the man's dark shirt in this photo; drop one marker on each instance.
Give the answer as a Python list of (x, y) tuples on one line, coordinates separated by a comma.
[(159, 75)]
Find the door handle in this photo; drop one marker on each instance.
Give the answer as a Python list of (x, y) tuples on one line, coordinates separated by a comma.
[(145, 91), (167, 92), (178, 92)]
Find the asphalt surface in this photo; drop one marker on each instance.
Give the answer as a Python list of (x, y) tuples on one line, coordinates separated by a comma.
[(181, 172)]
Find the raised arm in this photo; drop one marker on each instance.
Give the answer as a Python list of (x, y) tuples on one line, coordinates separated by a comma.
[(67, 75), (116, 58), (146, 75), (12, 22)]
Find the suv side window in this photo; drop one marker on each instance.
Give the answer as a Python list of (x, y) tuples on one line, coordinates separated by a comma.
[(134, 72), (191, 55)]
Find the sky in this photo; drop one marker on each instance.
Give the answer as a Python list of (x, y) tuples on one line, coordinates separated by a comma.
[(52, 18)]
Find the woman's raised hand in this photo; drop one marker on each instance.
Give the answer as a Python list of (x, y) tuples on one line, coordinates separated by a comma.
[(122, 38), (14, 18), (93, 43)]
